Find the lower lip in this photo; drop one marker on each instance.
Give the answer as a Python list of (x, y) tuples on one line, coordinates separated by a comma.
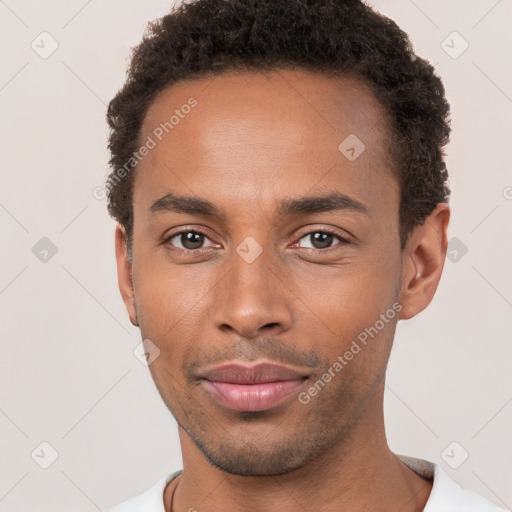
[(252, 397)]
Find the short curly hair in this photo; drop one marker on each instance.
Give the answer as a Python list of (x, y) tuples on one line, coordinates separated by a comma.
[(346, 37)]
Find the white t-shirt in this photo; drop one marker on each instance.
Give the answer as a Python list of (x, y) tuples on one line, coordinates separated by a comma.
[(446, 495)]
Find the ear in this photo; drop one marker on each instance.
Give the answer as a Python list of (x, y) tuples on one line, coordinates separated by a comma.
[(124, 274), (423, 262)]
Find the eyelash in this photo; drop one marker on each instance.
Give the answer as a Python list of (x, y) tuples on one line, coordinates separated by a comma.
[(342, 241)]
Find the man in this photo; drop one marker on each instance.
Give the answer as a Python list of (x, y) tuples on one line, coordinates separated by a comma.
[(281, 197)]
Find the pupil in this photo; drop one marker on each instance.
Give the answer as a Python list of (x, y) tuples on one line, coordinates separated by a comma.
[(192, 240), (322, 240)]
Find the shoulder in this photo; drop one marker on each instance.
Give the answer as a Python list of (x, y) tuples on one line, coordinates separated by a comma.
[(151, 500), (447, 495)]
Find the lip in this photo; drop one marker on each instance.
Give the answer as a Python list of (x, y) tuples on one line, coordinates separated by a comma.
[(252, 388)]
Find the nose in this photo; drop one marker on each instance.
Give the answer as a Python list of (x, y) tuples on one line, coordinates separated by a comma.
[(251, 299)]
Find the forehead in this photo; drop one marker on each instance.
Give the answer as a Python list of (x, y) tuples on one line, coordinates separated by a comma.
[(252, 136)]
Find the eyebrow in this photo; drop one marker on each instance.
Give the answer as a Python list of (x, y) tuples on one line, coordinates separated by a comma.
[(185, 204), (289, 207), (316, 204)]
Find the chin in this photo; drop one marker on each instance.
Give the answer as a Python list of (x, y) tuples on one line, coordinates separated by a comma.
[(247, 459)]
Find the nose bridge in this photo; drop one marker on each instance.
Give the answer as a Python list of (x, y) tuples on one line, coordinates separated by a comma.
[(250, 297), (250, 267)]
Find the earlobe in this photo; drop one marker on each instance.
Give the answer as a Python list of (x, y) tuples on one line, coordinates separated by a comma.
[(124, 274), (423, 262)]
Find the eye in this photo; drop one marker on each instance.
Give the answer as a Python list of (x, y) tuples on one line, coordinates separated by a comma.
[(322, 239), (188, 240)]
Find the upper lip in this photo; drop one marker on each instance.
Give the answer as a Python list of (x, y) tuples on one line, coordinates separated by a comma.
[(236, 373)]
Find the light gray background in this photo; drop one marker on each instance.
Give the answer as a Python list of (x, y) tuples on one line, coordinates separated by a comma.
[(68, 373)]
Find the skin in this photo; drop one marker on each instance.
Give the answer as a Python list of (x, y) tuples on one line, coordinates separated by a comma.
[(252, 141)]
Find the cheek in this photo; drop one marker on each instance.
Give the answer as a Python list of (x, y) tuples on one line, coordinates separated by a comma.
[(350, 320), (168, 305), (344, 301)]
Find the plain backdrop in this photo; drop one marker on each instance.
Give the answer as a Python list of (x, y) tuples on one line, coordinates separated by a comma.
[(68, 374)]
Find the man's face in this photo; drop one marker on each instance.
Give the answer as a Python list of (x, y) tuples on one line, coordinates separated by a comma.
[(206, 296)]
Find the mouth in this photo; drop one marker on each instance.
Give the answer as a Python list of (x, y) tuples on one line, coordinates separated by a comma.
[(252, 388)]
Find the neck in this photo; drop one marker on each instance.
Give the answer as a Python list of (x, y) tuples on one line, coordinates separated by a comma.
[(359, 474)]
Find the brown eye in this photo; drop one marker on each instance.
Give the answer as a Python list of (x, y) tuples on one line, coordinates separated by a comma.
[(188, 240), (322, 240)]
